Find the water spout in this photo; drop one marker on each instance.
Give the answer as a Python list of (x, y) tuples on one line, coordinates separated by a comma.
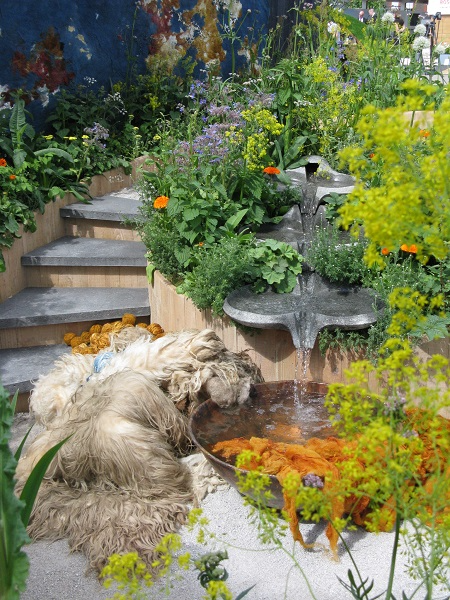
[(315, 303)]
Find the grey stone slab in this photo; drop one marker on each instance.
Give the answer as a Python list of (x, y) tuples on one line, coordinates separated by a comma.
[(47, 306), (88, 252), (314, 304), (104, 208), (20, 367)]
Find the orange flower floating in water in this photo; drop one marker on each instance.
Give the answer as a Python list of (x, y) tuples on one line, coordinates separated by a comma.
[(271, 171), (384, 251), (412, 249), (424, 133), (12, 177), (161, 202), (3, 162)]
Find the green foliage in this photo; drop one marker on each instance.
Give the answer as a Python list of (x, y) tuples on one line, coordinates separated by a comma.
[(30, 177), (14, 563), (334, 256), (277, 265), (210, 569), (15, 512), (229, 257)]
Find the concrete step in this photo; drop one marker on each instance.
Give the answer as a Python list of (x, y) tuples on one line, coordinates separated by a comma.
[(20, 367), (72, 251)]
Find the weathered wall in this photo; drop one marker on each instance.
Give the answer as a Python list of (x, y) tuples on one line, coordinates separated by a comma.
[(47, 45)]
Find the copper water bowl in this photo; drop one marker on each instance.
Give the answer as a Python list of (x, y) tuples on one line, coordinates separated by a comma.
[(276, 410)]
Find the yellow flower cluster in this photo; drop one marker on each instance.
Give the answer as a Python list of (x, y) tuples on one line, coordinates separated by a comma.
[(319, 71), (409, 178), (255, 151), (263, 118), (129, 572), (97, 337)]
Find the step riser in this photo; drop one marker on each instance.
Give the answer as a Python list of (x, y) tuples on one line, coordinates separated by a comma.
[(100, 229), (43, 335), (125, 277)]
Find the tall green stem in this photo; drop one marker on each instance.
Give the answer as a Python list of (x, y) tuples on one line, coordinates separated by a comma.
[(393, 559)]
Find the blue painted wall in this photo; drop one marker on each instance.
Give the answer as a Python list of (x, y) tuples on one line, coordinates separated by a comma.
[(46, 45)]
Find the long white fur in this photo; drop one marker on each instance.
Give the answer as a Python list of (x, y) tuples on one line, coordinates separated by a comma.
[(117, 485)]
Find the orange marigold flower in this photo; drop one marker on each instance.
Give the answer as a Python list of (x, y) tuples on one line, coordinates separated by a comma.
[(3, 162), (372, 155), (12, 177), (413, 249), (424, 133), (404, 247), (384, 251), (271, 171), (200, 244), (161, 202)]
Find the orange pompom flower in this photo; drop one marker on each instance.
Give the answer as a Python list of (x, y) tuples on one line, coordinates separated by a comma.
[(12, 177), (271, 171), (3, 162), (161, 202), (384, 251)]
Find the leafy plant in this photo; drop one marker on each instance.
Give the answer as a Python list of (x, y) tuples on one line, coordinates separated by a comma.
[(336, 257), (277, 265), (232, 259), (15, 512)]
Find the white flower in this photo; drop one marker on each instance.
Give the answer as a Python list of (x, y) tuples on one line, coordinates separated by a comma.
[(441, 48), (420, 43), (333, 27), (388, 18), (420, 29)]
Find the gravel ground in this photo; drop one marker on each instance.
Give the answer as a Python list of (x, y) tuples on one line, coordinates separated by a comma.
[(56, 574)]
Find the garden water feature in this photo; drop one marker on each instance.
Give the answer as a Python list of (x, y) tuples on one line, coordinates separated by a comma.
[(272, 411), (315, 303)]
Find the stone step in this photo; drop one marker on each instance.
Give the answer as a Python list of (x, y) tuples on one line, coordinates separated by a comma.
[(72, 251), (20, 367), (49, 306), (111, 207)]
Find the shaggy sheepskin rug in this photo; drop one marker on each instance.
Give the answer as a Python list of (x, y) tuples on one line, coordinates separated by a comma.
[(118, 484)]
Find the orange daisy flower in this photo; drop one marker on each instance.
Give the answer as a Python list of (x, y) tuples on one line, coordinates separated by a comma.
[(3, 162), (404, 247), (161, 202), (384, 251), (372, 155), (12, 177), (271, 171), (413, 249), (424, 133)]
